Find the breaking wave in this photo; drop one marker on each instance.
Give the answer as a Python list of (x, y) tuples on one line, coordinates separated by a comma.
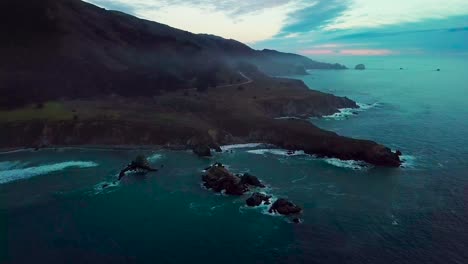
[(239, 146), (280, 152), (349, 164), (14, 173), (154, 157), (408, 161), (345, 113)]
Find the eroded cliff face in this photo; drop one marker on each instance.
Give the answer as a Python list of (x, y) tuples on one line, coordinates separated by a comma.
[(189, 119), (288, 134)]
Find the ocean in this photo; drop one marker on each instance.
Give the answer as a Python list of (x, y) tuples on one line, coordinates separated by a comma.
[(53, 207)]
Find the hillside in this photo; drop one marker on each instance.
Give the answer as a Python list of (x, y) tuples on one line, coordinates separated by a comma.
[(69, 48), (75, 74)]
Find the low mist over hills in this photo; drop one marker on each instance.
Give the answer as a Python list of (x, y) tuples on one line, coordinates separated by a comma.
[(69, 48)]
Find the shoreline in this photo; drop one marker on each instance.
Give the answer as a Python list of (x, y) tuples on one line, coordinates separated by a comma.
[(4, 151), (225, 148)]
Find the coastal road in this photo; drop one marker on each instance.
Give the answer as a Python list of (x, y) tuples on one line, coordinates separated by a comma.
[(248, 80)]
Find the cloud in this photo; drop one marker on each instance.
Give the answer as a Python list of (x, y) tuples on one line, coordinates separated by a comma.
[(317, 27), (379, 13), (244, 20), (346, 50)]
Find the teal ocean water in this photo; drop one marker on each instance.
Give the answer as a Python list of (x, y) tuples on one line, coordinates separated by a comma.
[(53, 208)]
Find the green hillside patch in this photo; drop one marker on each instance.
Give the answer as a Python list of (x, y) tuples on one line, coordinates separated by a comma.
[(49, 111)]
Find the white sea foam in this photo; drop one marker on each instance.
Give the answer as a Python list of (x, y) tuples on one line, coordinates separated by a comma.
[(154, 157), (279, 152), (105, 186), (240, 146), (367, 106), (408, 161), (349, 164), (344, 113), (300, 179), (14, 174), (262, 208)]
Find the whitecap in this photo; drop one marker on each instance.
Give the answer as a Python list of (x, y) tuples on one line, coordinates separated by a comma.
[(105, 185), (154, 157), (367, 106), (300, 179), (408, 161), (13, 174), (343, 113), (239, 146), (349, 164)]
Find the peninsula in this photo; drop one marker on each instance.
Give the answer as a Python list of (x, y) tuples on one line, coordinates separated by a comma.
[(83, 75)]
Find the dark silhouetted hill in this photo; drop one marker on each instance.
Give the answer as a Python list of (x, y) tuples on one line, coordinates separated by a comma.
[(68, 48)]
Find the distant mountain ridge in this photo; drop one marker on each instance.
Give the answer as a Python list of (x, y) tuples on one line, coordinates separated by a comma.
[(70, 48)]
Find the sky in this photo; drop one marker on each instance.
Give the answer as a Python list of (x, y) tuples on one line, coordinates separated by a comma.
[(318, 28)]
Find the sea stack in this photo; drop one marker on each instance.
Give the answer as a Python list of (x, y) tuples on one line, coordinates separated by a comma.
[(360, 67), (140, 164)]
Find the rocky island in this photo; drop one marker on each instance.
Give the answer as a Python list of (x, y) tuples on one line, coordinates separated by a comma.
[(360, 67), (219, 179), (114, 80)]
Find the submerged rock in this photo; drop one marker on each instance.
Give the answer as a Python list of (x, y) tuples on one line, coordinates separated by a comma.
[(139, 164), (257, 199), (202, 150), (360, 67), (284, 207)]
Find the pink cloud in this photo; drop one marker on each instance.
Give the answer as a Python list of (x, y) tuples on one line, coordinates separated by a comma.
[(318, 52), (366, 52), (329, 46), (349, 52)]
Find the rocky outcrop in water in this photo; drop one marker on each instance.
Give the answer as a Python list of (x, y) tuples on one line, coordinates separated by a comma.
[(257, 199), (218, 179), (139, 164), (251, 180), (202, 150), (360, 67), (284, 207)]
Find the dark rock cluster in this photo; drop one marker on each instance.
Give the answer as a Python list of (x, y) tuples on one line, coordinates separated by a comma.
[(257, 199), (218, 179), (284, 207)]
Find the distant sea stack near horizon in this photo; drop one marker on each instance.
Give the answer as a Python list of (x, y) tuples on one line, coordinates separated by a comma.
[(360, 67), (126, 140)]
